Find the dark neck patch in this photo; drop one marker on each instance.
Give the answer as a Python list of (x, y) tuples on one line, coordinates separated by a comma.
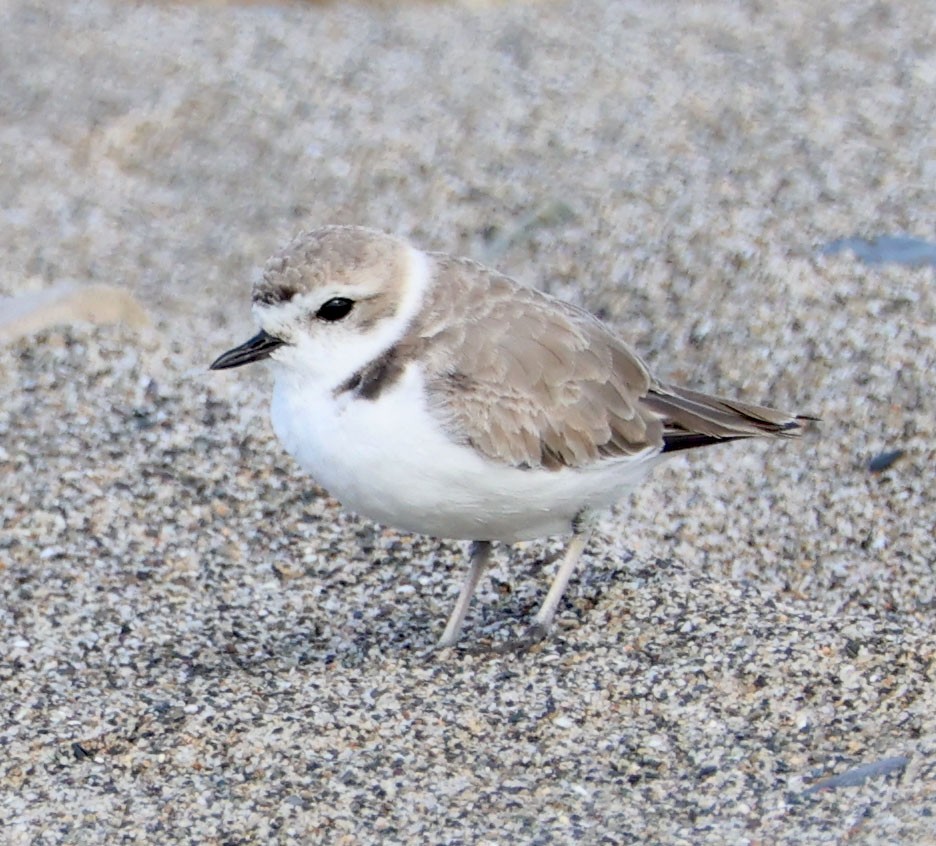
[(375, 377)]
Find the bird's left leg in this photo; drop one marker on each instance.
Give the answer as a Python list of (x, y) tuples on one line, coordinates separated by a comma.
[(480, 556), (582, 527)]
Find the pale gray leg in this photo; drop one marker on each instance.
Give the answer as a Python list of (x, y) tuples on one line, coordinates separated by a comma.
[(582, 527), (480, 556)]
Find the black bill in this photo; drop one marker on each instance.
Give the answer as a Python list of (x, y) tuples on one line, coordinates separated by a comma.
[(257, 348)]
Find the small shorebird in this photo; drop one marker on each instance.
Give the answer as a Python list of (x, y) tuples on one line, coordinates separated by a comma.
[(435, 395)]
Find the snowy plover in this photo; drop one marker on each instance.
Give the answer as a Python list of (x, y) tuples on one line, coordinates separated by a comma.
[(435, 395)]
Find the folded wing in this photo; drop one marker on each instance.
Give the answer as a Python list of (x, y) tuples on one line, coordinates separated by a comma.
[(531, 381)]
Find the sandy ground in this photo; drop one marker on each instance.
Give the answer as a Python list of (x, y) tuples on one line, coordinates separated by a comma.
[(199, 646)]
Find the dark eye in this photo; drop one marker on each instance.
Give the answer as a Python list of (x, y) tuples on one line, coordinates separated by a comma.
[(335, 309)]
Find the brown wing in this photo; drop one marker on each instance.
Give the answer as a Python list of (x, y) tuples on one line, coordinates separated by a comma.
[(528, 380), (532, 381)]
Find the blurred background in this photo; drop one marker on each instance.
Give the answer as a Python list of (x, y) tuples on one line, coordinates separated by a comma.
[(656, 154)]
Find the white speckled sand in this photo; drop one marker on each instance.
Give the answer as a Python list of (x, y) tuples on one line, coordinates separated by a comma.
[(199, 646)]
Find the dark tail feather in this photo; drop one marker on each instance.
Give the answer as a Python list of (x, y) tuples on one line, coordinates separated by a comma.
[(675, 441), (692, 419)]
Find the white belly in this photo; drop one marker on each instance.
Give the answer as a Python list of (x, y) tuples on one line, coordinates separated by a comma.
[(388, 459)]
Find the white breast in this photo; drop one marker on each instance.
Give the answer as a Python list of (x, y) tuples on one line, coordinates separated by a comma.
[(388, 459)]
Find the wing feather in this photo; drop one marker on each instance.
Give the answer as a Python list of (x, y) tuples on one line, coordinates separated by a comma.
[(534, 382), (526, 379)]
